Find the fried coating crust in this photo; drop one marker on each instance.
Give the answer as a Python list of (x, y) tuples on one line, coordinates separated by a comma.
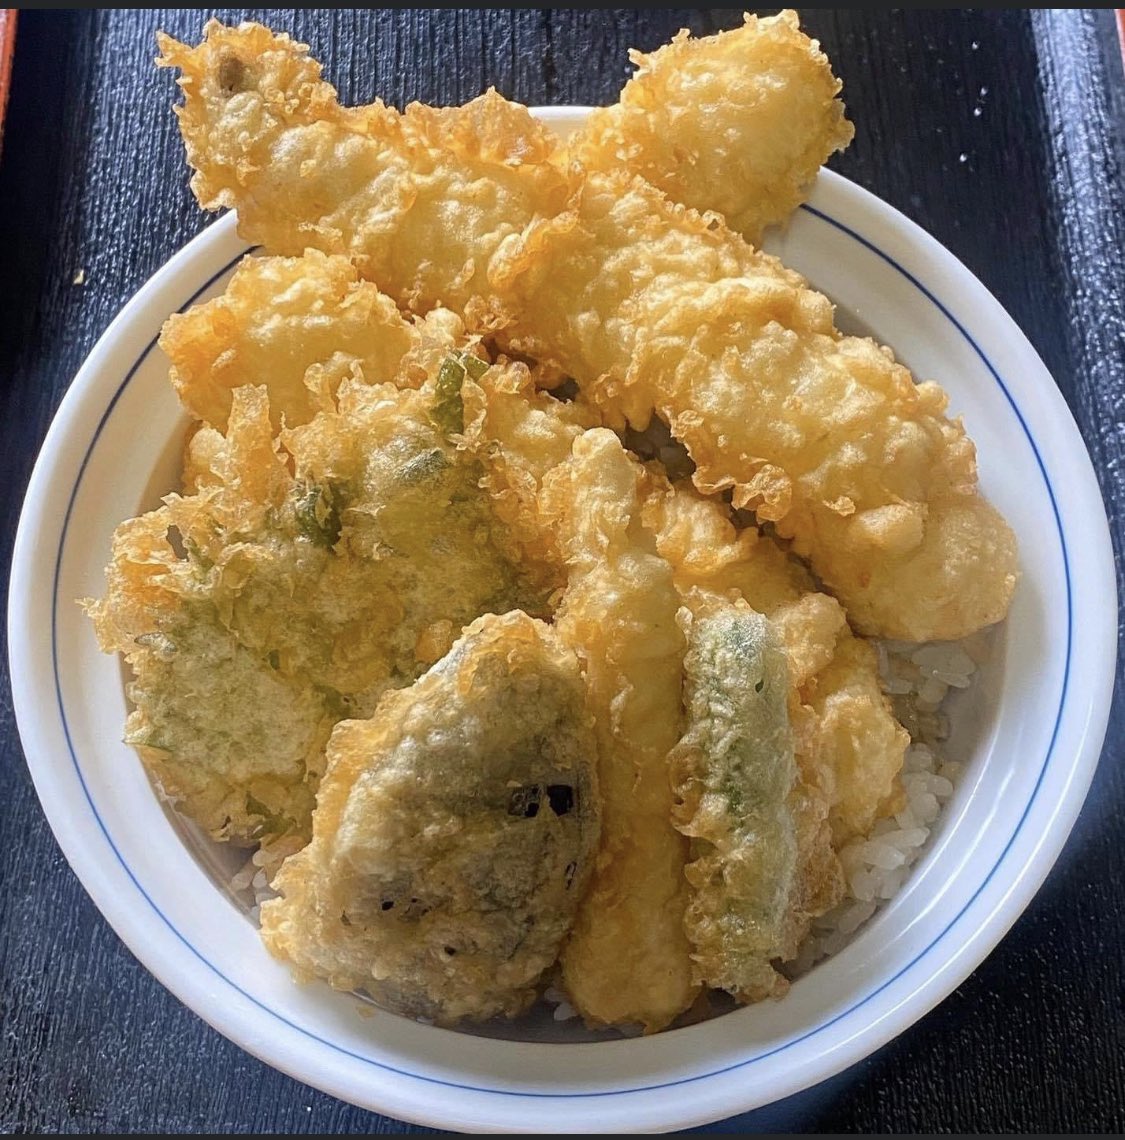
[(454, 833), (627, 959), (848, 743), (653, 309), (420, 202), (710, 558), (739, 122), (300, 325), (307, 574), (733, 773), (854, 743), (519, 433), (648, 305), (229, 738)]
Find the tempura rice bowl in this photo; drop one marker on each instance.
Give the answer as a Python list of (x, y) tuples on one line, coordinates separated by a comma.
[(988, 809)]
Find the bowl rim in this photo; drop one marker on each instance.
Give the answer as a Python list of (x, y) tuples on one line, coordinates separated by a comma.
[(977, 309)]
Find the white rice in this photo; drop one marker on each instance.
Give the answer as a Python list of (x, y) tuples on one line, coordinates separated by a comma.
[(563, 1010), (253, 877)]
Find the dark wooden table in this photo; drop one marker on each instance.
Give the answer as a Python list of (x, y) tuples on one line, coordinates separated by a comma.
[(998, 131)]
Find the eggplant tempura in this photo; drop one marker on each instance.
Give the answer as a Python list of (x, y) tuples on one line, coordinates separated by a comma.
[(454, 833)]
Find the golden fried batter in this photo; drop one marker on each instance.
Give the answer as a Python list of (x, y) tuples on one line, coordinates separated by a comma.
[(520, 433), (299, 325), (627, 960), (849, 746), (649, 793), (853, 741), (739, 122), (306, 575), (420, 202), (454, 833), (230, 738), (651, 307)]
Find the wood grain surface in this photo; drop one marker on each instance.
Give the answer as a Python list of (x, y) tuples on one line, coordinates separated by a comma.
[(997, 131), (8, 19)]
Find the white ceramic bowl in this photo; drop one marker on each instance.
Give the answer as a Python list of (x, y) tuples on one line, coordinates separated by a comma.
[(1031, 738)]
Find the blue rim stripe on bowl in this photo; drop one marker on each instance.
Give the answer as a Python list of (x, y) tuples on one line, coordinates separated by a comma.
[(640, 1088)]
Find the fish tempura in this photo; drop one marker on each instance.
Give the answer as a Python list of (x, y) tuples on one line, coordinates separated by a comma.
[(419, 202), (738, 122), (652, 308)]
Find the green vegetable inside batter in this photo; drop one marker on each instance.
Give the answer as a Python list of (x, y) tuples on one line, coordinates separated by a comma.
[(734, 770)]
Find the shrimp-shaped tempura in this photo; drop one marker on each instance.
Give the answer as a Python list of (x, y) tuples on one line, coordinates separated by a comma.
[(627, 960)]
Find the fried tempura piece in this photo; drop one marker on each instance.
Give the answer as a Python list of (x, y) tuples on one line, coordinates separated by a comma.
[(306, 575), (519, 433), (710, 558), (299, 325), (739, 122), (696, 535), (854, 741), (733, 774), (226, 734), (649, 306), (849, 746), (420, 201), (384, 473), (627, 959), (454, 833), (653, 310)]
